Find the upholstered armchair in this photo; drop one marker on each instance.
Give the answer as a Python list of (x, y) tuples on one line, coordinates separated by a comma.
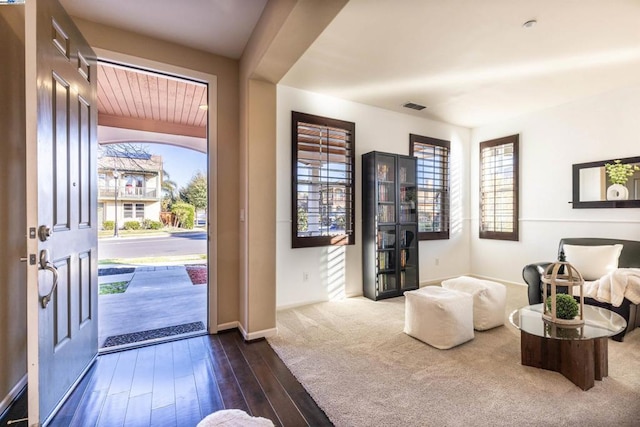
[(629, 257)]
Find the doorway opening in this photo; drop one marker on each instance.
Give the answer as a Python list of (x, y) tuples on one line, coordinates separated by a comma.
[(152, 207)]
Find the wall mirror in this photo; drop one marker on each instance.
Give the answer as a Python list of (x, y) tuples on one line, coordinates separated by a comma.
[(593, 189)]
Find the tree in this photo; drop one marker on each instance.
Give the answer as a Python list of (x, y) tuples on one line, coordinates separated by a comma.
[(169, 191), (195, 193)]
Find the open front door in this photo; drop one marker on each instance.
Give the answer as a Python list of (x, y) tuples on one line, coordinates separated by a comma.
[(61, 206)]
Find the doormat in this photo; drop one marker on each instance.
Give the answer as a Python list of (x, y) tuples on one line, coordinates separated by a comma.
[(153, 334), (115, 270)]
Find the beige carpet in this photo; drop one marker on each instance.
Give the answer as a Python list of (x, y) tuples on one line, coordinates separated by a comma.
[(362, 370)]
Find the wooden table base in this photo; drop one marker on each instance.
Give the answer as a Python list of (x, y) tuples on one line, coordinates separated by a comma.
[(581, 361)]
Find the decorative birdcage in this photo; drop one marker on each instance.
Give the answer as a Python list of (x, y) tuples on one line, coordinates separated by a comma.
[(562, 274)]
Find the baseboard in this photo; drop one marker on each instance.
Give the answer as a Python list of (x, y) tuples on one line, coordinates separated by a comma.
[(265, 333), (228, 325), (14, 393)]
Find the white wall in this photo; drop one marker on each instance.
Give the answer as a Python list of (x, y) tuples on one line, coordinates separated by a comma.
[(334, 272), (603, 127)]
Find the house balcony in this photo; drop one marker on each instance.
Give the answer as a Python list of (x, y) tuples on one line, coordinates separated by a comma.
[(129, 193)]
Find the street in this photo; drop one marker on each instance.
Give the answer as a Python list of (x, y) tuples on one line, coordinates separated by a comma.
[(139, 247)]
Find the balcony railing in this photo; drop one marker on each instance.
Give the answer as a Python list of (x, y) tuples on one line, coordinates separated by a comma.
[(125, 193)]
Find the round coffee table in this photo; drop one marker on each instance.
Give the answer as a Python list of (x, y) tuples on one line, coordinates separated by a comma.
[(579, 353)]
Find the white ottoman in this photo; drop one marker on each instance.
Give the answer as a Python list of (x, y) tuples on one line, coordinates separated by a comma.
[(442, 318), (489, 300)]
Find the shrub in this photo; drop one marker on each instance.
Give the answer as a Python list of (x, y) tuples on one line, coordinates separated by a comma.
[(149, 224), (184, 214), (108, 225), (132, 225), (566, 306)]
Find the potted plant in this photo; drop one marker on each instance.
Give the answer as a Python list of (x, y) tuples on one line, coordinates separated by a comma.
[(618, 174), (566, 307)]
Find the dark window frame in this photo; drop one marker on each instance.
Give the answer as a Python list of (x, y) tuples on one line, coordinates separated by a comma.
[(444, 189), (512, 235), (349, 237)]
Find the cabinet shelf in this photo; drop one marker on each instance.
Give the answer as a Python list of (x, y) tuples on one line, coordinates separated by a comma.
[(390, 229)]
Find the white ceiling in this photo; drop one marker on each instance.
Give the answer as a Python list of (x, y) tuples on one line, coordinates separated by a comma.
[(217, 26), (472, 62), (469, 62)]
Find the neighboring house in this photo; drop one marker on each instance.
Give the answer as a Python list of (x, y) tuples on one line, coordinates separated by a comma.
[(129, 188)]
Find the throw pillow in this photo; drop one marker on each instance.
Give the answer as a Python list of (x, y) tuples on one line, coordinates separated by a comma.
[(593, 262)]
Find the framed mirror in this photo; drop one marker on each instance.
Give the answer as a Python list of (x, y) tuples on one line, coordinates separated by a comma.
[(592, 187)]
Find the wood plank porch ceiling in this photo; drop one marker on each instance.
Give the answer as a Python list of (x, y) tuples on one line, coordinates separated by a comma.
[(139, 100)]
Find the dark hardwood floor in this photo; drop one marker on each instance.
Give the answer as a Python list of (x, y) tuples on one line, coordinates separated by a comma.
[(180, 382)]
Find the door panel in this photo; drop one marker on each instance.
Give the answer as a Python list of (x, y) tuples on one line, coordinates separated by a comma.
[(84, 162), (60, 159), (61, 195)]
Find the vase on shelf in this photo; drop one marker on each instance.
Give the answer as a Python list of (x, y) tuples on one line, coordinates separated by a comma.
[(617, 192)]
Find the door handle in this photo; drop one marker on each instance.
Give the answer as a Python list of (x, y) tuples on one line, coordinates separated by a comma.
[(45, 264)]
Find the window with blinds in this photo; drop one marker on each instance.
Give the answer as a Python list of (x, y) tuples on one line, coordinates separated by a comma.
[(499, 188), (433, 186), (140, 210), (128, 210), (323, 192)]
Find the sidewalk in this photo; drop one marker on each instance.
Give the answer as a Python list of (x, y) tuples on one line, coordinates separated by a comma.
[(157, 297)]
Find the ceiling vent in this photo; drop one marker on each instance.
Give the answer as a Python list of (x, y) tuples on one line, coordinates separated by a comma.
[(414, 106)]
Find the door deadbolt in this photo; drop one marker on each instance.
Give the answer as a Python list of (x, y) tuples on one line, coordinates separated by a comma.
[(44, 233)]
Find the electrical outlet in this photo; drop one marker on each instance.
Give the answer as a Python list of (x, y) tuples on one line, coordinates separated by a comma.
[(305, 276), (437, 261)]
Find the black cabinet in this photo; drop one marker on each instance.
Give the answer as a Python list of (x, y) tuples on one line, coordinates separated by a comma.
[(390, 225)]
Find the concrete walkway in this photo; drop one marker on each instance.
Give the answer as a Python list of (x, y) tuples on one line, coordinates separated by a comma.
[(157, 297)]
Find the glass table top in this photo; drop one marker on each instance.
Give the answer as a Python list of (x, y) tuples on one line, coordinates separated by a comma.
[(599, 323)]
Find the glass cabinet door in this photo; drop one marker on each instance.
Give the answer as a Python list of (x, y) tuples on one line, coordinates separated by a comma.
[(408, 256), (408, 190), (386, 258), (386, 188)]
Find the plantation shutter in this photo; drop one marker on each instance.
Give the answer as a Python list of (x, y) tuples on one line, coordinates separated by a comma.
[(433, 186), (323, 181), (499, 189)]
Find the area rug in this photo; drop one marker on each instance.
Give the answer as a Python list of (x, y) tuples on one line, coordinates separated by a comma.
[(355, 361), (197, 273), (153, 334)]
